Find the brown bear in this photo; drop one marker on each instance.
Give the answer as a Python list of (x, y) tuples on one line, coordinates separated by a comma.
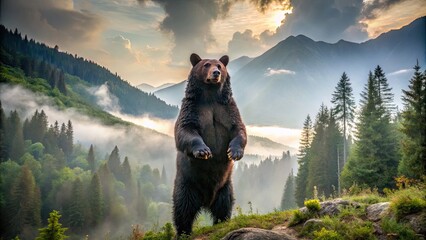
[(209, 136)]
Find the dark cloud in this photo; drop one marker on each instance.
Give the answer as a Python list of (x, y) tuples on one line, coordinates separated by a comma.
[(53, 22), (191, 21), (244, 44), (372, 8)]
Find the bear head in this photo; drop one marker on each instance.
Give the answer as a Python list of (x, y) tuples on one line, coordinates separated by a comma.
[(209, 75), (210, 71)]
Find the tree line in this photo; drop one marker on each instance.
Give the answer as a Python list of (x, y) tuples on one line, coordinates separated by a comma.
[(39, 60), (383, 144), (43, 170)]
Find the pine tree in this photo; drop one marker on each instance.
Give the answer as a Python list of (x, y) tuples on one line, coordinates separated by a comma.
[(76, 211), (384, 90), (303, 160), (69, 140), (318, 165), (344, 107), (17, 146), (374, 161), (3, 144), (114, 162), (288, 200), (95, 200), (163, 175), (91, 159), (126, 172), (413, 162), (60, 84), (24, 207), (54, 229)]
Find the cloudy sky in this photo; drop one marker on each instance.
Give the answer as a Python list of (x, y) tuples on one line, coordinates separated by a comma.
[(150, 40)]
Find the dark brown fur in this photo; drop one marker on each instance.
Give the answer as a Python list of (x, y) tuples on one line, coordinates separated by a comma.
[(209, 135)]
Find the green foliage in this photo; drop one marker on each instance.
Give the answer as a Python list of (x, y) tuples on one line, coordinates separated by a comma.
[(325, 234), (403, 231), (299, 217), (313, 205), (288, 200), (414, 127), (166, 233), (303, 160), (404, 204), (54, 229)]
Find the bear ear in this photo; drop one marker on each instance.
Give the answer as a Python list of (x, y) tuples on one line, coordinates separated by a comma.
[(224, 60), (194, 59)]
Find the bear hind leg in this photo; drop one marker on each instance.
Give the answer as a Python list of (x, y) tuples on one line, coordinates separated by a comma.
[(186, 205), (221, 208)]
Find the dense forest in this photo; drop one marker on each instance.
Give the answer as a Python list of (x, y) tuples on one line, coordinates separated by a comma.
[(365, 146), (39, 60)]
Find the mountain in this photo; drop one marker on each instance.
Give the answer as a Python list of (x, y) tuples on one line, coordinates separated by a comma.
[(39, 60), (292, 79), (173, 94), (150, 89)]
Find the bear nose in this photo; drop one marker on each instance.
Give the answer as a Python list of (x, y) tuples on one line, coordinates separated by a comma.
[(216, 73)]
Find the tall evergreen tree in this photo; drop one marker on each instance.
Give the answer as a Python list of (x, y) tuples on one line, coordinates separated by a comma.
[(69, 140), (288, 200), (374, 161), (95, 200), (114, 162), (384, 91), (413, 162), (318, 164), (303, 160), (163, 175), (24, 207), (17, 146), (54, 229), (91, 159), (3, 144), (344, 107), (126, 172), (76, 211)]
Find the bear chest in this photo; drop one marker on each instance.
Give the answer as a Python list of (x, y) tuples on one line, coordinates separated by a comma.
[(215, 122)]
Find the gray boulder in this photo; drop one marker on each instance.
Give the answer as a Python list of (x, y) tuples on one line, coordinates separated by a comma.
[(375, 212), (257, 233)]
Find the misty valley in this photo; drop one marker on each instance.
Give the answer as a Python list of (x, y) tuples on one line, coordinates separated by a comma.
[(87, 155)]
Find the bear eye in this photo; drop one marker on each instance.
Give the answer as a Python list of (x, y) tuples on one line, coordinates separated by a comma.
[(219, 67), (207, 65)]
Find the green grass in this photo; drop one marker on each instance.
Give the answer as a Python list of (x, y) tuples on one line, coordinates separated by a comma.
[(402, 230)]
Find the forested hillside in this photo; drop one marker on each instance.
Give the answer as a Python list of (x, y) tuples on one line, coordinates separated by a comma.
[(39, 60)]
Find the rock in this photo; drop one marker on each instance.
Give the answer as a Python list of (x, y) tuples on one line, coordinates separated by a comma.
[(312, 223), (375, 212), (417, 222), (332, 207), (255, 234)]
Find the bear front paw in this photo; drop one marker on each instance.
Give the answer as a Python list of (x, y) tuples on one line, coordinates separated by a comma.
[(235, 153), (203, 152)]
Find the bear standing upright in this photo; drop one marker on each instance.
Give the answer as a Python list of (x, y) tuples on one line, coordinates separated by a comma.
[(209, 135)]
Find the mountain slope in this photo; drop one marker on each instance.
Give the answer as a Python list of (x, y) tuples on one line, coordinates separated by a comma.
[(21, 52), (292, 79)]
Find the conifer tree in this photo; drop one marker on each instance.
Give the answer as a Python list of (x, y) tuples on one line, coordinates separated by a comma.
[(288, 200), (17, 146), (303, 160), (163, 175), (413, 162), (384, 91), (344, 107), (54, 229), (95, 200), (69, 140), (114, 162), (3, 144), (76, 211), (126, 172), (91, 159), (24, 207), (374, 161)]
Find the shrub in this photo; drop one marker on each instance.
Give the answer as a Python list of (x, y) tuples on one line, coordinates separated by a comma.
[(325, 234), (313, 205), (298, 217), (403, 205), (391, 226)]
